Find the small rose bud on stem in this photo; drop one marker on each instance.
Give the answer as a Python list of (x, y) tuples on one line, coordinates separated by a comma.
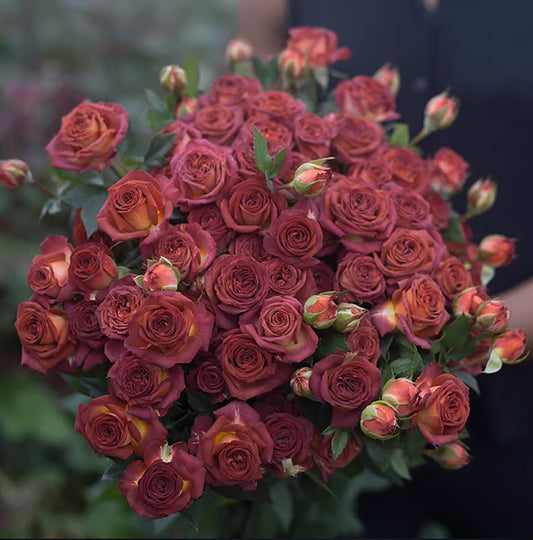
[(450, 456), (311, 178), (239, 50), (496, 250), (481, 197), (440, 113), (389, 76), (300, 382), (379, 421), (320, 310), (173, 79)]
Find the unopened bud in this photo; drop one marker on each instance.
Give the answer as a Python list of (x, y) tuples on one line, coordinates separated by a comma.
[(348, 317), (292, 63), (468, 301), (14, 173), (389, 76), (441, 111), (320, 310), (311, 178), (511, 346), (300, 382), (450, 456), (496, 250), (492, 316), (161, 276), (481, 196), (239, 50), (187, 105), (173, 79), (379, 421), (402, 394)]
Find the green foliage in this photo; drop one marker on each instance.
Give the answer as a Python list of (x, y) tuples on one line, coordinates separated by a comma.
[(269, 166), (400, 135), (282, 503), (339, 441), (454, 232), (90, 198), (192, 68), (266, 71), (160, 145), (330, 342), (469, 380)]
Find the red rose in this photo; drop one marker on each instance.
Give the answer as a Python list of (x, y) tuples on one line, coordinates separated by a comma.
[(206, 376), (408, 169), (249, 245), (295, 237), (251, 206), (356, 138), (292, 436), (166, 482), (169, 329), (414, 212), (453, 277), (365, 96), (323, 278), (92, 267), (142, 384), (440, 209), (364, 341), (112, 430), (219, 123), (248, 369), (278, 326), (210, 219), (89, 136), (372, 171), (361, 277), (318, 44), (48, 273), (275, 106), (234, 90), (135, 206), (361, 216), (235, 447), (286, 175), (313, 135), (44, 334), (346, 382), (189, 248), (284, 279), (448, 171), (323, 455), (161, 276)]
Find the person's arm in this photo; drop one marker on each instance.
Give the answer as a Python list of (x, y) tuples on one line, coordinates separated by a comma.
[(520, 302), (264, 23)]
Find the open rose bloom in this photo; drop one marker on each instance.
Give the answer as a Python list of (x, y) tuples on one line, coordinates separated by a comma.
[(270, 295)]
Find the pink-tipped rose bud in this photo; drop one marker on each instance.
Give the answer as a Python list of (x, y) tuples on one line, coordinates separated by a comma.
[(468, 301), (389, 76), (320, 310), (187, 105), (492, 316), (161, 276), (300, 382), (239, 50), (511, 346), (173, 79), (348, 317), (311, 178), (14, 173), (450, 456), (481, 196), (402, 394), (292, 63), (379, 421), (441, 111), (496, 250)]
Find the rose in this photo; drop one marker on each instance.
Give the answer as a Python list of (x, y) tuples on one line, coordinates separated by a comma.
[(292, 63), (419, 305), (44, 335), (379, 421), (251, 206), (295, 237), (284, 279), (210, 219), (235, 447), (48, 273), (407, 252), (492, 316), (249, 245), (468, 301), (275, 106), (248, 369), (372, 171), (360, 276), (440, 210), (496, 250), (206, 376), (92, 267), (408, 169), (292, 436), (323, 277), (169, 329), (166, 482), (318, 44), (440, 112), (448, 171), (142, 384), (364, 341), (450, 456), (402, 394), (367, 97), (346, 382), (234, 90), (356, 138), (445, 406), (278, 326), (511, 346), (79, 232), (239, 50), (189, 248), (361, 216), (320, 310), (186, 106), (414, 212), (14, 173), (219, 123), (348, 317), (88, 137), (322, 453), (201, 172), (311, 179), (161, 276), (453, 277), (184, 133), (136, 205), (112, 430), (389, 76)]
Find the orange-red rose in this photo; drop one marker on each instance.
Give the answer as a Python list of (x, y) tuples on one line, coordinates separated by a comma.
[(318, 44)]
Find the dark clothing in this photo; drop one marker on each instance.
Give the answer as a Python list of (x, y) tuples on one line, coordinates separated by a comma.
[(481, 50)]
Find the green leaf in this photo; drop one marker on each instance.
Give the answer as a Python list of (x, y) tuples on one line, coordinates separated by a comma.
[(62, 175), (400, 135), (160, 145), (262, 157), (192, 68), (266, 71), (487, 274), (157, 119), (282, 503), (88, 386), (339, 442), (90, 198), (402, 367), (330, 342), (232, 492), (277, 163), (469, 380), (457, 333), (191, 516), (318, 481), (155, 101), (399, 464), (454, 232), (385, 345), (494, 364), (115, 471), (198, 401)]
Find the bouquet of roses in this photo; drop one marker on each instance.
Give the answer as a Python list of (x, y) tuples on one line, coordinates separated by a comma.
[(277, 293)]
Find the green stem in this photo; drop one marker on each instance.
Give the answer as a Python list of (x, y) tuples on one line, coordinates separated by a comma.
[(116, 169), (44, 189), (421, 135)]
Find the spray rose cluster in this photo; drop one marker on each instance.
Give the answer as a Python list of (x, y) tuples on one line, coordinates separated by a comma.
[(274, 261)]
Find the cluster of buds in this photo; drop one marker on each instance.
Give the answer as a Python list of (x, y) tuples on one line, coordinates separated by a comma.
[(14, 173), (160, 275), (441, 111), (321, 312)]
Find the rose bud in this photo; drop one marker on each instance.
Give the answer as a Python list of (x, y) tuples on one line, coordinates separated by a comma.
[(161, 276), (448, 171), (300, 382), (468, 302), (173, 79), (511, 346), (379, 421), (389, 76), (481, 196), (292, 63), (450, 456), (320, 310), (348, 317), (92, 267), (239, 50), (14, 173), (311, 178), (187, 105), (402, 394), (496, 250), (441, 111), (492, 316)]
